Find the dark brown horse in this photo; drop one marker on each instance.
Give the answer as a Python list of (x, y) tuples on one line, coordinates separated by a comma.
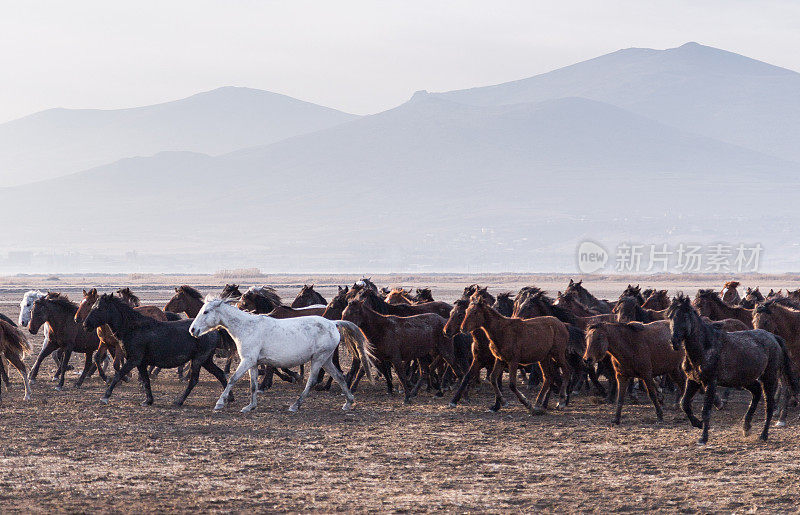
[(570, 302), (504, 304), (782, 321), (657, 300), (729, 294), (637, 351), (515, 342), (754, 360), (231, 291), (633, 291), (308, 296), (399, 296), (708, 303), (587, 299), (59, 313), (399, 340), (259, 300)]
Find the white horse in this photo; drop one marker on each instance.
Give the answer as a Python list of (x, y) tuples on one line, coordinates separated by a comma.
[(283, 343)]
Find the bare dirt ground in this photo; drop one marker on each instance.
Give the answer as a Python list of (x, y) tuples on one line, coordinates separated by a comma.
[(65, 451)]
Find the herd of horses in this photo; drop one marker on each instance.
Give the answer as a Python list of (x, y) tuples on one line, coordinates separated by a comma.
[(644, 340)]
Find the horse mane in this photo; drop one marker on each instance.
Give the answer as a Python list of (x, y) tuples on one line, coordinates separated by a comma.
[(711, 295), (560, 313), (230, 290), (731, 284), (191, 292), (61, 301), (782, 302), (130, 315), (262, 297)]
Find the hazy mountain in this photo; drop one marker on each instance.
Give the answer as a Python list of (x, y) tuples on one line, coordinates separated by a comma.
[(59, 141), (430, 183), (701, 89)]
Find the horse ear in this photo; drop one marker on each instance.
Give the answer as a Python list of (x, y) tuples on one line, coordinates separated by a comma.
[(84, 292), (571, 282), (94, 291), (177, 289), (559, 293), (580, 282)]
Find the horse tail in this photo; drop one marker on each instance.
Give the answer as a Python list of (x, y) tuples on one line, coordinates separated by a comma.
[(172, 317), (786, 365), (357, 344), (14, 340)]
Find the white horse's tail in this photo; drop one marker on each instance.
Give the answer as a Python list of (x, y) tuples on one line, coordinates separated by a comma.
[(359, 347)]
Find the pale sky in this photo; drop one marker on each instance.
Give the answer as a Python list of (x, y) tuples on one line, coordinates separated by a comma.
[(358, 56)]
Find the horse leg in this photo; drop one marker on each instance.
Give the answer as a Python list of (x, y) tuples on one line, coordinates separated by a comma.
[(596, 380), (472, 373), (253, 391), (622, 389), (62, 371), (98, 362), (266, 383), (126, 369), (144, 375), (652, 392), (548, 373), (566, 374), (313, 374), (404, 380), (332, 368), (194, 376), (494, 378), (335, 361), (769, 387), (512, 385), (3, 371), (20, 366), (244, 366), (784, 409), (708, 403), (88, 367), (351, 374), (689, 392), (755, 391), (46, 351)]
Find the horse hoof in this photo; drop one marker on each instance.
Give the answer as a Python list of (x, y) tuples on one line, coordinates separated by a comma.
[(293, 408), (614, 422), (452, 405), (247, 409), (537, 410), (780, 423), (559, 405), (762, 437), (702, 441), (347, 406), (492, 409), (104, 400), (147, 403), (58, 388), (218, 406)]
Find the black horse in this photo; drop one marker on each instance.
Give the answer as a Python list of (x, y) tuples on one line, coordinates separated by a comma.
[(148, 342), (754, 360)]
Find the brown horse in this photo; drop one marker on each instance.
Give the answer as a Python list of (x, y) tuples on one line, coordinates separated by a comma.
[(515, 342), (399, 296), (637, 351), (398, 340), (633, 291), (133, 301), (628, 309), (186, 300), (13, 347), (587, 299), (793, 295), (783, 321), (657, 300), (259, 300), (708, 303), (308, 297), (752, 298), (570, 302), (729, 294), (482, 356), (59, 312), (371, 299)]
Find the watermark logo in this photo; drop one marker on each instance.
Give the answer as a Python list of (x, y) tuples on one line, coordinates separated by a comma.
[(630, 257), (591, 257)]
